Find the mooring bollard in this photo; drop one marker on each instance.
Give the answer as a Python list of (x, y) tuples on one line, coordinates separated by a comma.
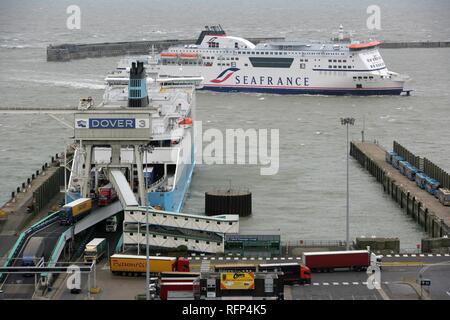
[(32, 176), (18, 190), (53, 159), (13, 196), (24, 188), (37, 173)]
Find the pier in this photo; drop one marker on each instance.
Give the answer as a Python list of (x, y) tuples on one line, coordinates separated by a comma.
[(67, 52), (423, 207)]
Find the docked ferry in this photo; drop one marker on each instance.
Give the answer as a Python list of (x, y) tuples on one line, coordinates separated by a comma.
[(146, 111), (228, 63)]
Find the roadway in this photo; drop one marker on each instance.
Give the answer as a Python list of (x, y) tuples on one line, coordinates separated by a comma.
[(18, 286), (397, 276)]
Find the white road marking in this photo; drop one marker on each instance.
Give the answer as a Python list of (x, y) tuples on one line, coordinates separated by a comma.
[(388, 255), (345, 283), (290, 258), (298, 258), (213, 258), (365, 283), (244, 258), (447, 293), (429, 255), (335, 283), (236, 258), (260, 258), (220, 258), (252, 258), (326, 284), (228, 258), (205, 258), (438, 255), (386, 282), (283, 258), (447, 255), (421, 255), (275, 258), (316, 283), (405, 255), (413, 255), (355, 283), (397, 255)]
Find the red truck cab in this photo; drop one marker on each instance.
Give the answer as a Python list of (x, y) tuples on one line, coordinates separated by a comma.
[(182, 265), (106, 195)]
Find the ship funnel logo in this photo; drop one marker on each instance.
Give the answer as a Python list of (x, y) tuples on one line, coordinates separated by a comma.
[(81, 123), (225, 75)]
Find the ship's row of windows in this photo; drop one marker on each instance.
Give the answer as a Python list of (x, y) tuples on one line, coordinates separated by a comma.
[(376, 65), (303, 53), (365, 78), (228, 58), (233, 64), (376, 58), (339, 67), (330, 60)]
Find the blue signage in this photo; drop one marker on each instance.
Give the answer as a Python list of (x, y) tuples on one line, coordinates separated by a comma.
[(112, 123)]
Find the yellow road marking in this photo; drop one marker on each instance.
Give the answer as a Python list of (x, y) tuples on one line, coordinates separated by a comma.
[(404, 264)]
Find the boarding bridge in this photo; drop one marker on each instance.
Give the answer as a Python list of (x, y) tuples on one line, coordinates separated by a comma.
[(220, 224), (124, 191)]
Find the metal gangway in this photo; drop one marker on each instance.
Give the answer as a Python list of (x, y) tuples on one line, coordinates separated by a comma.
[(120, 183)]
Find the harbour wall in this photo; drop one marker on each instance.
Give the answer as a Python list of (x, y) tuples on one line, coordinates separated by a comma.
[(67, 52), (422, 207)]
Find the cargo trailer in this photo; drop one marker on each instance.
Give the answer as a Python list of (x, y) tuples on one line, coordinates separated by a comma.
[(357, 260)]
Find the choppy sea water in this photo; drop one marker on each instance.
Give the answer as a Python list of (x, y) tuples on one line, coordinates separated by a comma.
[(306, 199)]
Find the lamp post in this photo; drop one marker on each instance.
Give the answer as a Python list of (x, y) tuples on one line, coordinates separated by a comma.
[(347, 122), (146, 148)]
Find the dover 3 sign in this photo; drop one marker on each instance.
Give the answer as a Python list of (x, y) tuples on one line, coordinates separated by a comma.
[(112, 123)]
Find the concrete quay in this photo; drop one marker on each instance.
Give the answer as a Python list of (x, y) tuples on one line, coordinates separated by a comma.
[(423, 207)]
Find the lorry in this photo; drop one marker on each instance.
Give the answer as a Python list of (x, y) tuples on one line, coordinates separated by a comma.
[(443, 195), (176, 290), (292, 272), (95, 250), (148, 176), (136, 265), (111, 224), (33, 251), (327, 261), (3, 215), (75, 210), (106, 195)]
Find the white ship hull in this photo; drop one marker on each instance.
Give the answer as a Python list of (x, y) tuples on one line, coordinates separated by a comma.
[(230, 63)]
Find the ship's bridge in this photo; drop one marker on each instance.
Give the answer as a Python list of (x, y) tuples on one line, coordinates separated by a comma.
[(226, 42)]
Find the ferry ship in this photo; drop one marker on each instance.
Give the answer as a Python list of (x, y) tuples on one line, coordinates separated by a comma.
[(228, 63), (138, 109)]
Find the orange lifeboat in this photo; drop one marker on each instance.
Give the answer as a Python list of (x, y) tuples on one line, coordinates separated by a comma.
[(357, 46), (185, 121), (168, 55)]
